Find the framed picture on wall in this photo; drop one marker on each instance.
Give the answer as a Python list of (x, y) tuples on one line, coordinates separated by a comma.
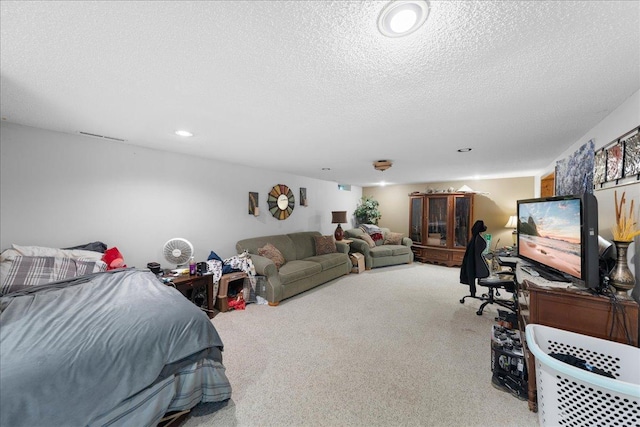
[(632, 156), (303, 196), (253, 204), (614, 162), (600, 167), (574, 174)]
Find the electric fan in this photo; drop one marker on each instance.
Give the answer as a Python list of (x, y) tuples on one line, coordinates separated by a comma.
[(178, 251)]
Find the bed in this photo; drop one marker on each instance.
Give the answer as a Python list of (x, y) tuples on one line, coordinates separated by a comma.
[(103, 348)]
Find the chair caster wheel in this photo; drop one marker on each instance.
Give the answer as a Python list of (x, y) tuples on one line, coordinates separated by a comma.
[(462, 301), (479, 313)]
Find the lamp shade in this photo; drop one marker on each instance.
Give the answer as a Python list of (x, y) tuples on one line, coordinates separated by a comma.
[(338, 217), (512, 223)]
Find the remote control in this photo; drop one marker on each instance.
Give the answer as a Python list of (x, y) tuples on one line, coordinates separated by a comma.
[(531, 271)]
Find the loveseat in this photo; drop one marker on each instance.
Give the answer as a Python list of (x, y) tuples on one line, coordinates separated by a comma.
[(303, 268), (390, 250)]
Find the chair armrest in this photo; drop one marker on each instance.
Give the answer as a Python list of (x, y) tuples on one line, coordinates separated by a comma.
[(342, 247), (264, 266), (359, 245)]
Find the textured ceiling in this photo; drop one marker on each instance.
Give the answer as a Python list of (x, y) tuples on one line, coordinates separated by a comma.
[(299, 86)]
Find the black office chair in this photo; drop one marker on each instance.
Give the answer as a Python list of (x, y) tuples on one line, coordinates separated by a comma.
[(474, 267)]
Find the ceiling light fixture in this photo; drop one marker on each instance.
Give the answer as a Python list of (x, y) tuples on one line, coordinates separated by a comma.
[(183, 133), (382, 165), (464, 150), (402, 17)]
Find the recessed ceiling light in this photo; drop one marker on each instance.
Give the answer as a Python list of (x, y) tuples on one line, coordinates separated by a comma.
[(183, 133), (326, 169), (464, 150), (402, 17)]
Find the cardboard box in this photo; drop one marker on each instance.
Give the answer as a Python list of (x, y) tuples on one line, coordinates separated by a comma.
[(357, 260)]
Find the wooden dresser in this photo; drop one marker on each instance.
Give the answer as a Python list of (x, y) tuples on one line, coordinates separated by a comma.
[(572, 310)]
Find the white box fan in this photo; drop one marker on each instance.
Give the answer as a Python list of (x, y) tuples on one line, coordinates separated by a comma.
[(178, 251)]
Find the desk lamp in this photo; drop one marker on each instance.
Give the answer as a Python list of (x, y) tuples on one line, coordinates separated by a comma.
[(513, 223), (338, 217)]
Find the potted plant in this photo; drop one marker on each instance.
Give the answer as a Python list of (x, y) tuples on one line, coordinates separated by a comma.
[(367, 211)]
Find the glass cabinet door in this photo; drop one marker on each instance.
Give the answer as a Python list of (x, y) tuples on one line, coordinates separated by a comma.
[(437, 215), (461, 220), (415, 226)]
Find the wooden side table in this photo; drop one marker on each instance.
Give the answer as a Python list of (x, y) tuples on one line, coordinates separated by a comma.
[(572, 310), (190, 285), (222, 301)]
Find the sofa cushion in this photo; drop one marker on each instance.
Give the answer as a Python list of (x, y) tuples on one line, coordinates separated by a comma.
[(399, 249), (271, 252), (328, 261), (298, 269), (325, 245), (354, 233), (392, 238), (368, 240), (383, 250), (304, 243)]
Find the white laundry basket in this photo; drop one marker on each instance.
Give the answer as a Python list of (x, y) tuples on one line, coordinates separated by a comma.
[(570, 396)]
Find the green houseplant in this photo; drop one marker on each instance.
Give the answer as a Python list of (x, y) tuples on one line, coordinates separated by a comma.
[(367, 211)]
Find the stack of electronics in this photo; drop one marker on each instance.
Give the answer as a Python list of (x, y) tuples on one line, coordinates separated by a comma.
[(507, 362)]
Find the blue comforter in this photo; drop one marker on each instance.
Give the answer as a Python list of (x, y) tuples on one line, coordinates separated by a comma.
[(72, 350)]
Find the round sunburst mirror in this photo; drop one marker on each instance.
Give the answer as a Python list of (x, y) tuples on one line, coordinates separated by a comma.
[(281, 201)]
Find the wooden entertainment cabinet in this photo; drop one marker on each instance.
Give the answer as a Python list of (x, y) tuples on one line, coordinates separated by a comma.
[(573, 310), (440, 226)]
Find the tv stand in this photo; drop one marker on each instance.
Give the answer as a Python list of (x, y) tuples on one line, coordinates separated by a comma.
[(574, 310), (550, 276)]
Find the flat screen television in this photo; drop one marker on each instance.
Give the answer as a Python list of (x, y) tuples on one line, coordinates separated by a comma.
[(558, 236)]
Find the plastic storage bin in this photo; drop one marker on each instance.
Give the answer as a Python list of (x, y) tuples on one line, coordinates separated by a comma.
[(570, 396)]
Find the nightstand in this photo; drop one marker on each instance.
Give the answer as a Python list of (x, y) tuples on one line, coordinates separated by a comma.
[(193, 286)]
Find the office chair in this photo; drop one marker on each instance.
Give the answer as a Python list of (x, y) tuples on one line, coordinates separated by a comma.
[(474, 268)]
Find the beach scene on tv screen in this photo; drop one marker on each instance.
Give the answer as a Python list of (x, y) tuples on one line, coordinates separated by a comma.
[(549, 233)]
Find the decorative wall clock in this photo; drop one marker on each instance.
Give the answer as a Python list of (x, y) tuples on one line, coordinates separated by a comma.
[(281, 201)]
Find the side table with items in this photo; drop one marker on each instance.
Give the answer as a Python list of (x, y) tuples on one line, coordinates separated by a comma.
[(198, 289)]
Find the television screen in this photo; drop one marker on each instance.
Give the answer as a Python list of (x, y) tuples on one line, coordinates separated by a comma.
[(549, 233), (560, 236)]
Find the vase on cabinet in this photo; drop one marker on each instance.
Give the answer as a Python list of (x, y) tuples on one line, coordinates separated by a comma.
[(620, 276)]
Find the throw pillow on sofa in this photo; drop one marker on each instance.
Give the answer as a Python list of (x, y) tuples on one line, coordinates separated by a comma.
[(325, 245), (368, 239), (271, 252), (392, 238)]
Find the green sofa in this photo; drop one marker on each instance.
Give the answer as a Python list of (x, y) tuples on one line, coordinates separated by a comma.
[(302, 270), (383, 255)]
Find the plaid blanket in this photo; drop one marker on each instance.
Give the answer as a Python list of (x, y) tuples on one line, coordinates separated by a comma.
[(26, 271)]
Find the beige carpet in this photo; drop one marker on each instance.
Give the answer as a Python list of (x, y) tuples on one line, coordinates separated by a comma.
[(388, 347)]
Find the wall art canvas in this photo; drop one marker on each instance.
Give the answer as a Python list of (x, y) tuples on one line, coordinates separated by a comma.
[(614, 162), (303, 197), (600, 167), (574, 174), (253, 204), (632, 156)]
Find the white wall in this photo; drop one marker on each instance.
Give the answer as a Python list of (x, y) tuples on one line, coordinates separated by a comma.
[(623, 119), (61, 190)]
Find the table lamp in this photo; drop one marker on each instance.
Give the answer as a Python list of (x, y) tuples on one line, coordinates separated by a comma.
[(338, 217), (513, 223)]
